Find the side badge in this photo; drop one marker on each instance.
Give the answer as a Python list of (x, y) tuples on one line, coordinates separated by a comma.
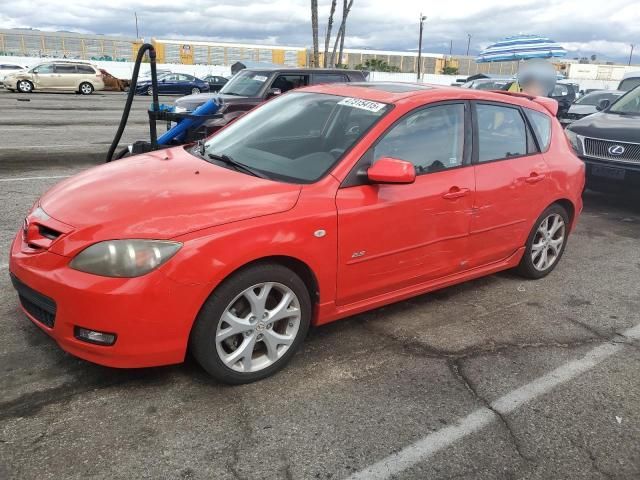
[(319, 233)]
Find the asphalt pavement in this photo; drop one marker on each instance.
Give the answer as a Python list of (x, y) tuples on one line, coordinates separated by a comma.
[(498, 378)]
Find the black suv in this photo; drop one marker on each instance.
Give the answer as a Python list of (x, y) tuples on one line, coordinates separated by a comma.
[(609, 142), (250, 87)]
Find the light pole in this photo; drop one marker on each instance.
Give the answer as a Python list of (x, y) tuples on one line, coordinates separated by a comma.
[(468, 43), (422, 19), (631, 53), (136, 15)]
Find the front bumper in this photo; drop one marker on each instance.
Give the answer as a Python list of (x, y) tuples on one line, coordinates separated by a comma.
[(151, 315), (604, 172)]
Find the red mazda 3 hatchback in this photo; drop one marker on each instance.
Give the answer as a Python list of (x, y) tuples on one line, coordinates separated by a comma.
[(317, 205)]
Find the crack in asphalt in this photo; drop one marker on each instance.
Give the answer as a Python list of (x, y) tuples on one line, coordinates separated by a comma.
[(592, 458), (246, 430), (458, 372)]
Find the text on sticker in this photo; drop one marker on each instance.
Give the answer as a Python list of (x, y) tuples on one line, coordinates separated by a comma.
[(363, 104)]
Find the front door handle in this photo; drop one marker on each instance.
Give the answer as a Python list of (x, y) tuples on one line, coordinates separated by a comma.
[(535, 177), (455, 192)]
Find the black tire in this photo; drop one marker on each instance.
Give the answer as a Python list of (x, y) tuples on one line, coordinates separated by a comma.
[(202, 341), (85, 88), (527, 268), (24, 86)]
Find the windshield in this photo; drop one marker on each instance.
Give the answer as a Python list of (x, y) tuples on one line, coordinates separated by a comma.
[(594, 98), (245, 83), (628, 104), (297, 137)]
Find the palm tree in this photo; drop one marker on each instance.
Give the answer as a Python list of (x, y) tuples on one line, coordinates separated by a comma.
[(346, 8), (328, 37)]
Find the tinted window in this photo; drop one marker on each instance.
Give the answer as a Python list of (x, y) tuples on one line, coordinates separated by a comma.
[(329, 78), (10, 67), (85, 69), (541, 124), (431, 138), (289, 82), (62, 68), (501, 133), (185, 78), (44, 69)]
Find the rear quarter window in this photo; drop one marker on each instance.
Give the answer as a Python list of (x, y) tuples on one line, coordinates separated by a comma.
[(85, 69), (541, 124)]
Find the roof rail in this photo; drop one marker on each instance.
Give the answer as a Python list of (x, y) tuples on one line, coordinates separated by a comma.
[(549, 104)]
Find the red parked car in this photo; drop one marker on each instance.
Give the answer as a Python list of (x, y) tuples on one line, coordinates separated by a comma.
[(319, 204)]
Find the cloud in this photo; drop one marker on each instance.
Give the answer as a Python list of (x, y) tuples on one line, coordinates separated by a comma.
[(588, 27)]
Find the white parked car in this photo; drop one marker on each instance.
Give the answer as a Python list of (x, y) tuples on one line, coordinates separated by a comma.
[(7, 68), (588, 104)]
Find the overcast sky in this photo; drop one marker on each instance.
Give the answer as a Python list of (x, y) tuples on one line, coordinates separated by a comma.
[(603, 28)]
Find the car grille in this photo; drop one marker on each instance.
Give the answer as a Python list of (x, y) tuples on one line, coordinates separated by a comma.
[(40, 307), (597, 148)]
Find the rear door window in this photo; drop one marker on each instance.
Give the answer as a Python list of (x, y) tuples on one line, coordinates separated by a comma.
[(329, 78), (288, 82), (85, 69), (65, 69), (502, 132)]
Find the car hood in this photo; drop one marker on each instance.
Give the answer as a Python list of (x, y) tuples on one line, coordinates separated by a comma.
[(192, 101), (608, 126), (582, 109), (159, 195)]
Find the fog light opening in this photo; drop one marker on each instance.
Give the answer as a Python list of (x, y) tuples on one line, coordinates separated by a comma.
[(93, 336)]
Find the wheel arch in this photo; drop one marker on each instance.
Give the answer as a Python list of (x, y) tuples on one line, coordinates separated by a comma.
[(299, 267), (569, 206)]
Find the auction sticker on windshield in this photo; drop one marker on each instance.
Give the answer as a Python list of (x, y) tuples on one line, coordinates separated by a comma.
[(362, 104), (260, 78)]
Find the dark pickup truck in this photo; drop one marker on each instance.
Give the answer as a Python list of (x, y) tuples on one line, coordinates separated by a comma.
[(250, 87)]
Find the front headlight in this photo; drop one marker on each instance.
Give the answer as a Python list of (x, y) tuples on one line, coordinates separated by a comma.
[(574, 140), (124, 258)]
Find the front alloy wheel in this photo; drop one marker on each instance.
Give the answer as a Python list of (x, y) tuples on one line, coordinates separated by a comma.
[(252, 324), (258, 327), (195, 90), (25, 86)]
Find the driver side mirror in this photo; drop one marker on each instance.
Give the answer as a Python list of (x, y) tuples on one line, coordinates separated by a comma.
[(273, 92), (603, 104), (391, 170)]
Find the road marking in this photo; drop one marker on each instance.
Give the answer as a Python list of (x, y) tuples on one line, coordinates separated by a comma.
[(22, 179), (480, 418)]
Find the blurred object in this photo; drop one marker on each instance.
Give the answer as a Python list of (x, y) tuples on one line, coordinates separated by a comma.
[(537, 77)]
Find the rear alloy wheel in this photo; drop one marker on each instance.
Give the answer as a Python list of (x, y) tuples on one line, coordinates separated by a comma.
[(195, 90), (252, 324), (149, 91), (546, 243), (25, 86), (86, 88)]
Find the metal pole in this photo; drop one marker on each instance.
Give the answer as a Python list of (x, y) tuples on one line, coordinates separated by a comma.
[(422, 19), (468, 43), (136, 15), (631, 53), (450, 47)]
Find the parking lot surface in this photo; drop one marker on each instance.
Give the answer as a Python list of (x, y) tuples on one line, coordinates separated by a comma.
[(492, 379), (61, 127)]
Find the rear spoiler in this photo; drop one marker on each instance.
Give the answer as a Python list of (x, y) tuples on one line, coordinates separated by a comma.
[(549, 104)]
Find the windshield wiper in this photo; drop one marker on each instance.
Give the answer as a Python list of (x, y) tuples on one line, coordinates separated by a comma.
[(238, 166)]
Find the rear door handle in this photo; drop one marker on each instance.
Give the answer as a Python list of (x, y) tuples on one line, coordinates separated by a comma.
[(535, 177), (455, 192)]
